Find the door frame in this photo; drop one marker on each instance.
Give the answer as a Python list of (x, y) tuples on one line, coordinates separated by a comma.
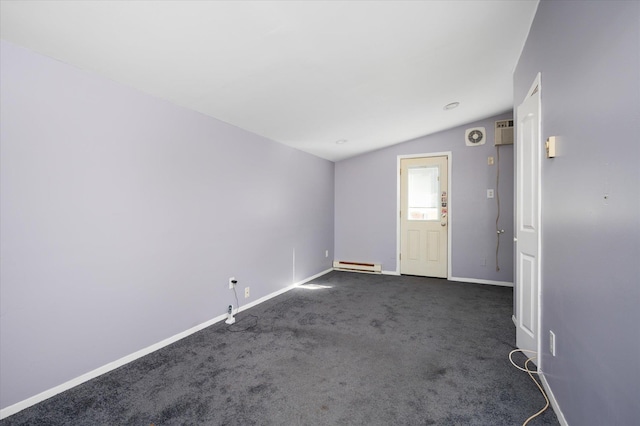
[(449, 156)]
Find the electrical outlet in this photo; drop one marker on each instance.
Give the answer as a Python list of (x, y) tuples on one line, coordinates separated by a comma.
[(246, 292), (232, 282), (552, 343), (490, 161), (489, 193), (326, 253)]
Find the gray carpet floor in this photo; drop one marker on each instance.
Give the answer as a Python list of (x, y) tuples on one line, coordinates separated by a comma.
[(344, 349)]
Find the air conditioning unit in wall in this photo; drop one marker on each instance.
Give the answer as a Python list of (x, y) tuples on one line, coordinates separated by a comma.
[(504, 132)]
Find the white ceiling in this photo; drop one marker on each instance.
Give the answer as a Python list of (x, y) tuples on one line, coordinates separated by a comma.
[(303, 73)]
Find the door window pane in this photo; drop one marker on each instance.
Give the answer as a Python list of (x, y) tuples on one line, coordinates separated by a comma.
[(423, 189)]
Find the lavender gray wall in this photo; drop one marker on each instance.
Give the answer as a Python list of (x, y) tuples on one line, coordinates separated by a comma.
[(366, 204), (122, 217), (588, 54)]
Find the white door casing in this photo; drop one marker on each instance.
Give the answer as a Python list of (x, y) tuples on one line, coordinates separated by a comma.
[(528, 211), (424, 216)]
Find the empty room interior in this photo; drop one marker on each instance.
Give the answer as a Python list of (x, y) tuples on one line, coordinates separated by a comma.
[(319, 212)]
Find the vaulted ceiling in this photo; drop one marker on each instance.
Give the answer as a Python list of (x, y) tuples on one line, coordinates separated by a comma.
[(303, 73)]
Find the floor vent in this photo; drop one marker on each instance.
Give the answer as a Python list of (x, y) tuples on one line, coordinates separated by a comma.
[(370, 268)]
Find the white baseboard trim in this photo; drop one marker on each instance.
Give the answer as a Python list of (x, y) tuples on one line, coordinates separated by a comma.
[(26, 403), (479, 281), (284, 290), (553, 401), (19, 406), (465, 280)]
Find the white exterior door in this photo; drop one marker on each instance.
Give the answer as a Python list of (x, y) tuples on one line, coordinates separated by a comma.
[(528, 207), (424, 216)]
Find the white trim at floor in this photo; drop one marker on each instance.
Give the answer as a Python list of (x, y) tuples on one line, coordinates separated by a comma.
[(464, 280), (26, 403), (479, 281), (553, 401)]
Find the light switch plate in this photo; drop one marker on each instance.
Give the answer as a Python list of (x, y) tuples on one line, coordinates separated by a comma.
[(550, 147)]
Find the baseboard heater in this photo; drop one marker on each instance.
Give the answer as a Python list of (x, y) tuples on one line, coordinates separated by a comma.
[(369, 268)]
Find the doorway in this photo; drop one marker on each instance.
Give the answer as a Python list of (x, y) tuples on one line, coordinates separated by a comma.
[(424, 212)]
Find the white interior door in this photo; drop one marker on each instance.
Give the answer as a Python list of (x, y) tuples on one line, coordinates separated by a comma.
[(528, 209), (424, 216)]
